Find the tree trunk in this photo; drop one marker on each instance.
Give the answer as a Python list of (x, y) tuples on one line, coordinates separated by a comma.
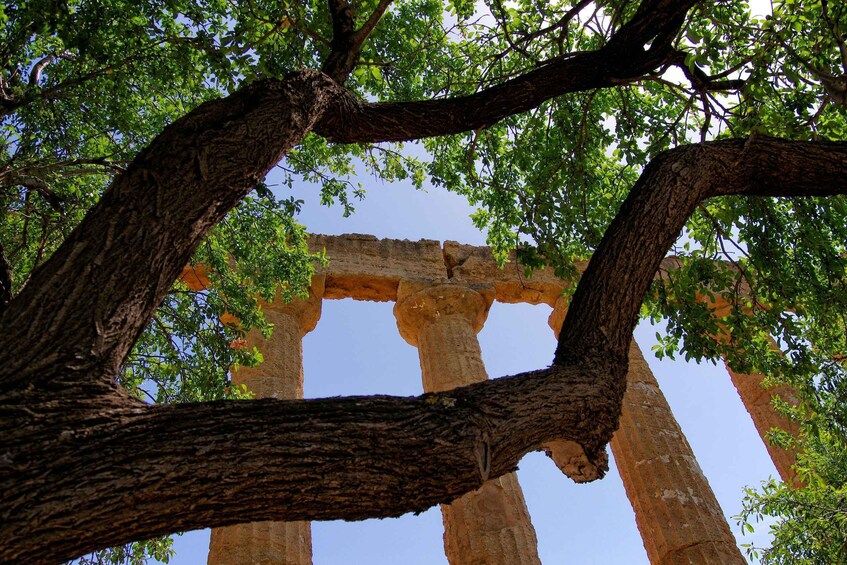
[(83, 309), (83, 466), (82, 475)]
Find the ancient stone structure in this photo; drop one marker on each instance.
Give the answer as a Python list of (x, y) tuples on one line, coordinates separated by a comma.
[(279, 376), (491, 525), (677, 513), (758, 401), (442, 295)]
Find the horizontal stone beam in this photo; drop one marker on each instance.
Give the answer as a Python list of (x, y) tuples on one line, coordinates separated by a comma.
[(363, 267), (475, 266)]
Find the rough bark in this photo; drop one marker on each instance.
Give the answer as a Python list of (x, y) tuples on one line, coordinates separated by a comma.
[(75, 472), (82, 466), (204, 163), (605, 304), (639, 47), (83, 309), (344, 50), (76, 455)]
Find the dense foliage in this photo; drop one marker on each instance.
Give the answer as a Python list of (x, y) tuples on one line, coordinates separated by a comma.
[(85, 85)]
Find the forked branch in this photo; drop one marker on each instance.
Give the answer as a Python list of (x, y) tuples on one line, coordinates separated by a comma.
[(605, 305), (184, 466), (643, 46)]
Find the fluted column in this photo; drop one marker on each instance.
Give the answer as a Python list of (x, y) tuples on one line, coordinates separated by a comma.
[(757, 399), (279, 376), (677, 513), (490, 526)]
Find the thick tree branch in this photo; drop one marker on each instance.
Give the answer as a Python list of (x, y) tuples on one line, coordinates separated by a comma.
[(346, 40), (135, 242), (653, 26), (605, 305), (353, 121), (69, 441), (187, 466), (343, 48), (200, 167), (350, 120)]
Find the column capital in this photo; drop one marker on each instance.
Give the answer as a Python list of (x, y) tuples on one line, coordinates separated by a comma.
[(557, 316), (419, 306), (307, 311)]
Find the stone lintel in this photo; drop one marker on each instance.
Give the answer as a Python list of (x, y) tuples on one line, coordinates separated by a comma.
[(473, 266), (363, 267)]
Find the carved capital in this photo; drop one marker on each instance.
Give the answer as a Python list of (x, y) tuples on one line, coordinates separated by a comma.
[(417, 307), (306, 311), (557, 316)]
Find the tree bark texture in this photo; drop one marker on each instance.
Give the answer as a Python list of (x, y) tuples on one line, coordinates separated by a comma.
[(83, 466), (76, 455), (76, 479), (624, 59), (84, 308)]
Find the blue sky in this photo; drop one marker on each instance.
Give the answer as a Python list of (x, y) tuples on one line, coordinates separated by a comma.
[(576, 524)]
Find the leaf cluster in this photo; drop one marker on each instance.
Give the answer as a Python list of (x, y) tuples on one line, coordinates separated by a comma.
[(86, 85)]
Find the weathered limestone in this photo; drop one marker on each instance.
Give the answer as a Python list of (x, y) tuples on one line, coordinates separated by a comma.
[(757, 399), (363, 267), (679, 518), (677, 513), (490, 526), (443, 296), (476, 267), (279, 376), (262, 543)]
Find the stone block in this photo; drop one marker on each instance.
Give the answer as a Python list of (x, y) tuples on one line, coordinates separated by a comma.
[(475, 266), (363, 267)]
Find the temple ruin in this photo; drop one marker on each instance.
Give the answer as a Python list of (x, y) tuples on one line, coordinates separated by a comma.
[(442, 295)]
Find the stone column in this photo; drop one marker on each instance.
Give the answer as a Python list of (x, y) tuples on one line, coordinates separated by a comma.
[(279, 376), (677, 513), (757, 400), (490, 526)]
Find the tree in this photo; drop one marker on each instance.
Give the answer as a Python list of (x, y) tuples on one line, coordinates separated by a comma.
[(132, 131)]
